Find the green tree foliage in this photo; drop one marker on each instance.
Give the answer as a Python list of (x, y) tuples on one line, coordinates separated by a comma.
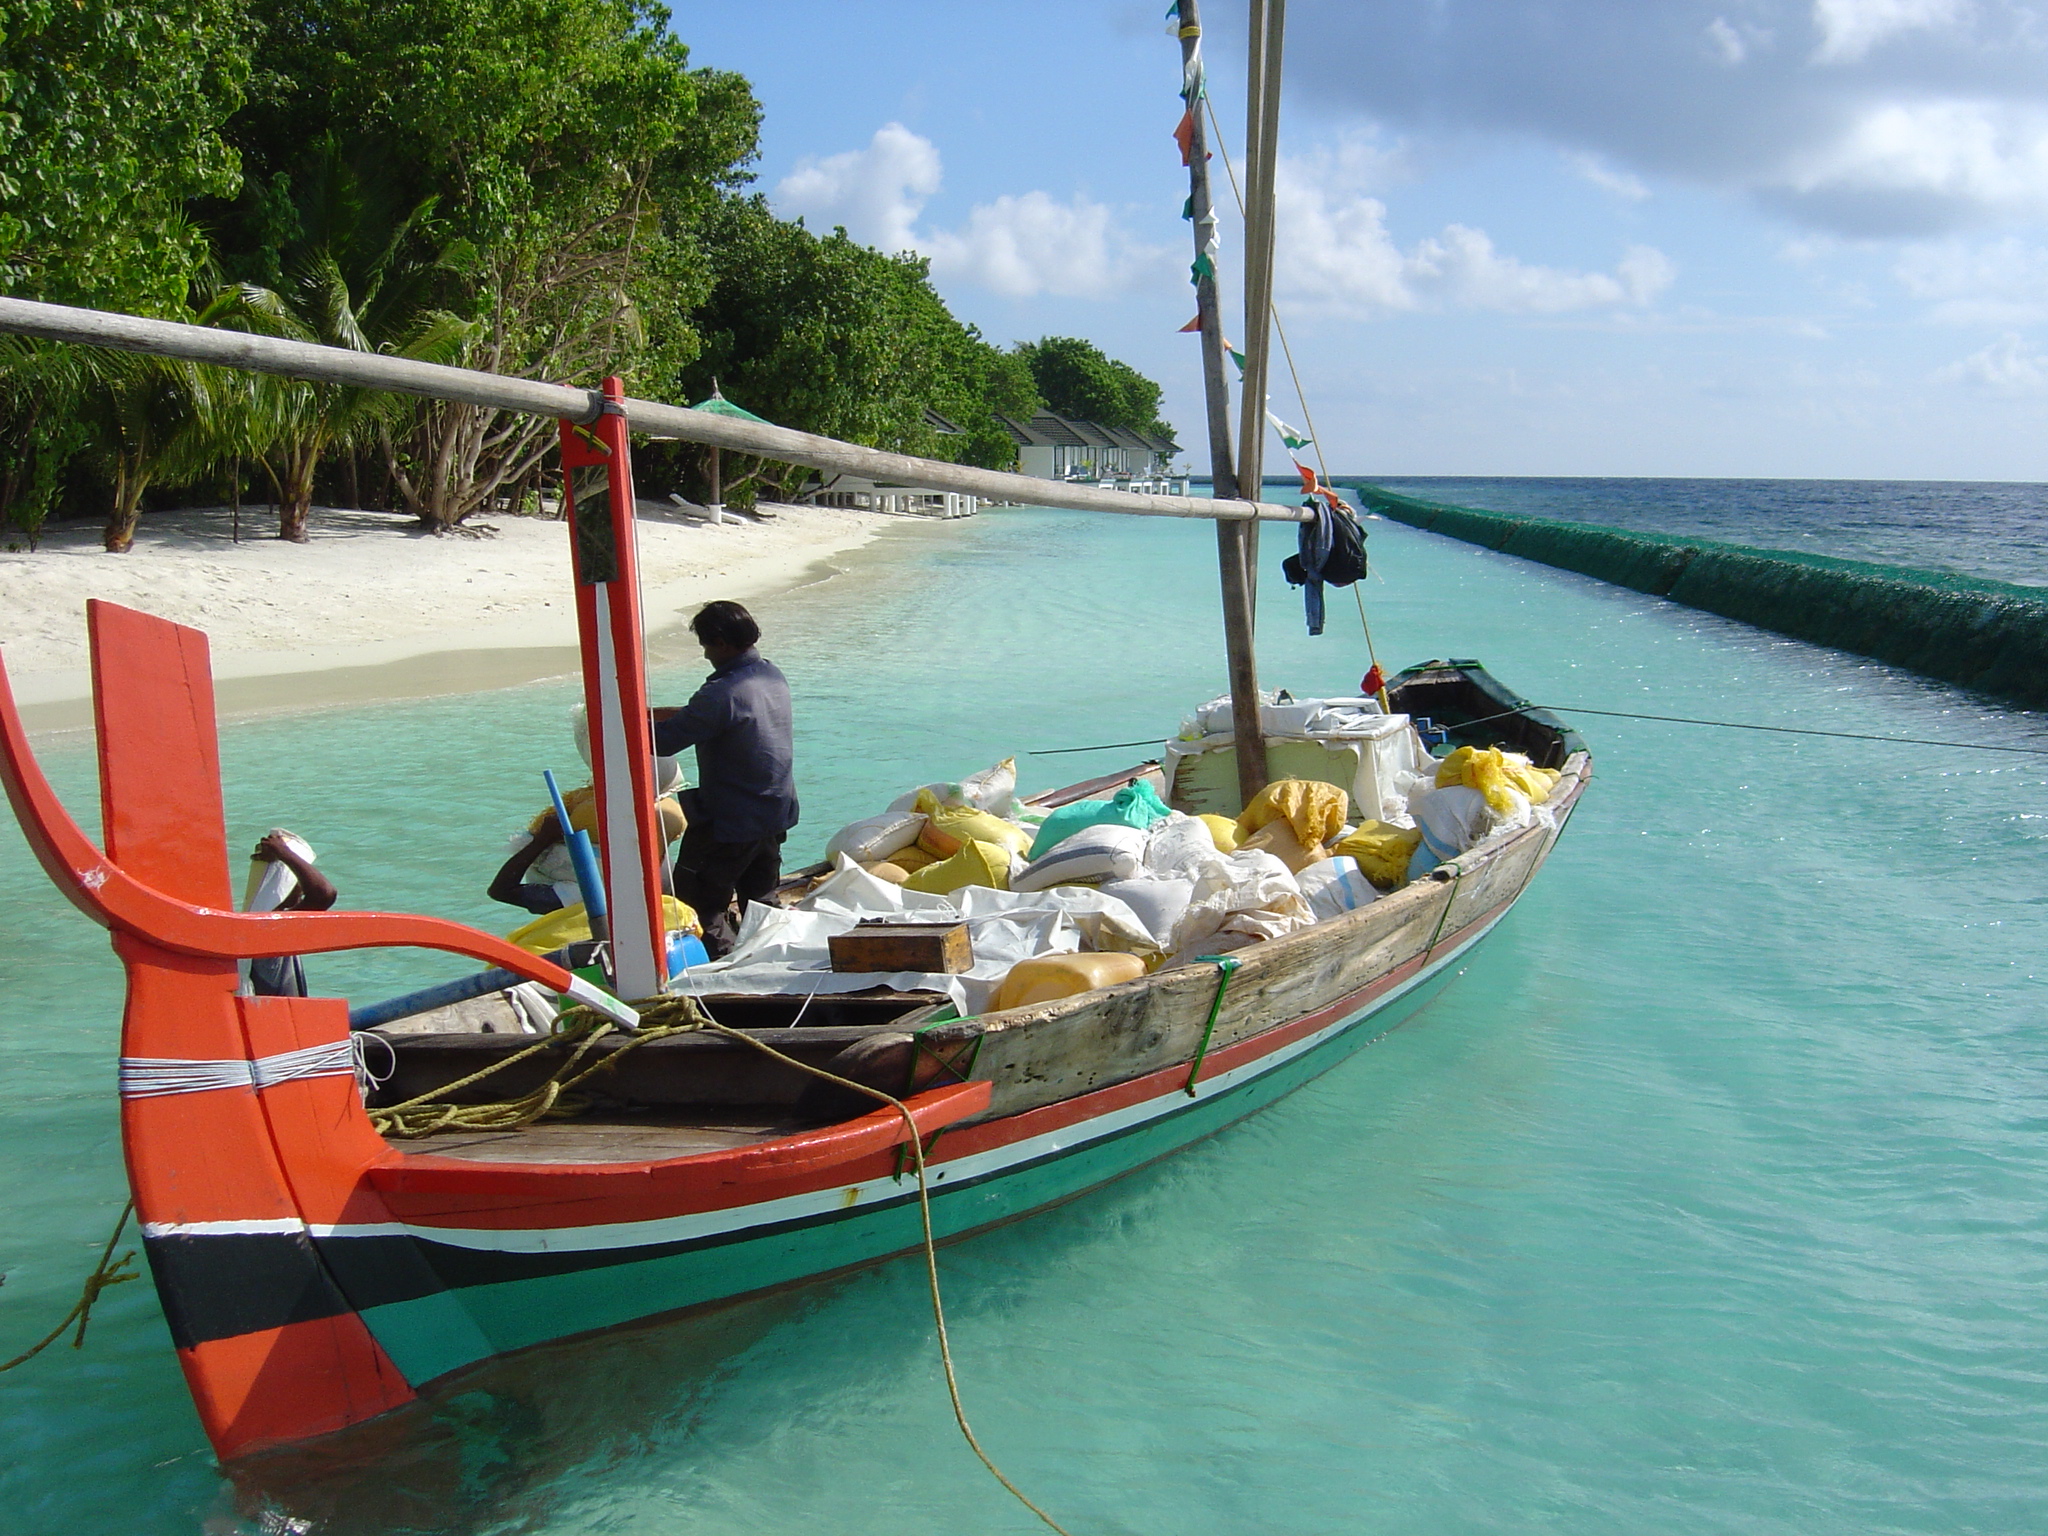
[(360, 272), (829, 336), (110, 117), (569, 149), (1076, 379), (542, 188)]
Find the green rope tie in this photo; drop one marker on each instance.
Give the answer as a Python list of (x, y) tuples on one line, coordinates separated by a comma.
[(918, 1048), (1226, 967)]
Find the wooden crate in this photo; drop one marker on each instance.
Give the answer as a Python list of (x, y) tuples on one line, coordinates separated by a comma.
[(882, 944)]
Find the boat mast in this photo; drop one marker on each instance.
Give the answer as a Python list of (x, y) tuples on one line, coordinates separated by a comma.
[(598, 484), (1261, 141), (1234, 552)]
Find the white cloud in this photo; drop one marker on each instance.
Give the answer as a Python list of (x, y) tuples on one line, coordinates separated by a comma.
[(1620, 183), (1849, 29), (1956, 154), (1998, 282), (875, 193), (1017, 246), (2005, 367), (1867, 118), (1728, 43), (1020, 246), (1336, 256)]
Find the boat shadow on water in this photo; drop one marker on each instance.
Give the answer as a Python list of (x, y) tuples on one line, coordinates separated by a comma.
[(509, 1442), (499, 1447)]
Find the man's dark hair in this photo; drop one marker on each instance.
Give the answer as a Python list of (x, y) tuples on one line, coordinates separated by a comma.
[(725, 624)]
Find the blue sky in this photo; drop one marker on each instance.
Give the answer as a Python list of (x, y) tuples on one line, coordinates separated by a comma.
[(1576, 237)]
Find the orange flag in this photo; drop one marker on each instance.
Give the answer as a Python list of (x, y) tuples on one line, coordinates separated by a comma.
[(1184, 135)]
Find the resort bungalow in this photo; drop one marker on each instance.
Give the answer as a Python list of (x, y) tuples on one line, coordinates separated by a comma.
[(1055, 447)]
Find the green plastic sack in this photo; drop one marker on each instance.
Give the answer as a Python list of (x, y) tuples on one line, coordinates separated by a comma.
[(1135, 805)]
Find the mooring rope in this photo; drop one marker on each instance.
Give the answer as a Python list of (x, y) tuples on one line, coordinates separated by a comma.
[(1744, 725), (691, 1015), (1619, 714), (104, 1275)]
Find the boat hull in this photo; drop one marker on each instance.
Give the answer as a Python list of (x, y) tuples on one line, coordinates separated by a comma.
[(439, 1296)]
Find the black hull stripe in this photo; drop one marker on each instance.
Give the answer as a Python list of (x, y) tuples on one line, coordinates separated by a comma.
[(221, 1285), (225, 1285)]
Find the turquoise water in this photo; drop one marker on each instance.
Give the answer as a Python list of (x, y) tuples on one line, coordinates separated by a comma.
[(1708, 1197)]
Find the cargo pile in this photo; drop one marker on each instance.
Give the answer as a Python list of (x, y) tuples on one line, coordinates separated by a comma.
[(1127, 874)]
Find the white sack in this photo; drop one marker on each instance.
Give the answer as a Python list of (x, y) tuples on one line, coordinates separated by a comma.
[(1158, 903), (1334, 886), (876, 837), (993, 790), (1106, 851), (1239, 899), (1178, 846)]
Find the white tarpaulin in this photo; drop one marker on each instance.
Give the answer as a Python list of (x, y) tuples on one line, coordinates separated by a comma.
[(786, 950)]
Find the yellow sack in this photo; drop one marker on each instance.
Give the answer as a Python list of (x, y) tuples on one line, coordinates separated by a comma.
[(977, 863), (1493, 773), (948, 828), (582, 807), (1382, 851), (1278, 839), (1315, 810), (570, 925), (910, 860), (1221, 828)]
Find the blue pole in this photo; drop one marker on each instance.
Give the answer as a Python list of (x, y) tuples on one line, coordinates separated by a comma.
[(581, 854)]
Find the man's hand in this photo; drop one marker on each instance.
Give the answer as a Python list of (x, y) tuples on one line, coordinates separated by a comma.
[(549, 831)]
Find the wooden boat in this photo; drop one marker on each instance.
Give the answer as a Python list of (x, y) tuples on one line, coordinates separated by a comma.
[(315, 1275)]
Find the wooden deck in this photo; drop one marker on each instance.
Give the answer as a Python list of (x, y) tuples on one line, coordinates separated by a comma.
[(595, 1139)]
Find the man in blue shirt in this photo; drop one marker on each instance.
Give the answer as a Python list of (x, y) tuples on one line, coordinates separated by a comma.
[(745, 800)]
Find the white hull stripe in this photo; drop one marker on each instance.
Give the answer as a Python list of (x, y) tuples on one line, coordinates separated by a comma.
[(706, 1224), (149, 1077)]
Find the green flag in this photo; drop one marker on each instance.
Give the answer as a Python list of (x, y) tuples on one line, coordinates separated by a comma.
[(1293, 437)]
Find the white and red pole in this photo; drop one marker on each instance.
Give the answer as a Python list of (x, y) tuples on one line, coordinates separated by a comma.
[(597, 472)]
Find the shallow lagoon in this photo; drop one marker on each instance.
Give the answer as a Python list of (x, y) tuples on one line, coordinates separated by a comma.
[(1706, 1198)]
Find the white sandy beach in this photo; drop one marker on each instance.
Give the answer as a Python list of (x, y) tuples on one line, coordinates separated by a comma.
[(372, 606)]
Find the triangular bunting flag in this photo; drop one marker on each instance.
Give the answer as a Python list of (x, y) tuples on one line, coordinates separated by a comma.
[(1187, 209), (1193, 325), (1291, 436), (1202, 267), (1308, 478), (1184, 136)]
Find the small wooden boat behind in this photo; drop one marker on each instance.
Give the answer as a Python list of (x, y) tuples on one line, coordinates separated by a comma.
[(315, 1274)]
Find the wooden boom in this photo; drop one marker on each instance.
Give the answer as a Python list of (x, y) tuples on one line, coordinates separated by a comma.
[(371, 370)]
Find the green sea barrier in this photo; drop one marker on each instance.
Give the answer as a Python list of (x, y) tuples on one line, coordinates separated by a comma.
[(1987, 635)]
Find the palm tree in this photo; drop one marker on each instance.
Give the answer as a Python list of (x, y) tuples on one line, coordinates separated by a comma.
[(43, 387), (161, 420), (355, 278)]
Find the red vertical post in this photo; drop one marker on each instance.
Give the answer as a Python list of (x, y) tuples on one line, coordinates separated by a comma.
[(597, 474)]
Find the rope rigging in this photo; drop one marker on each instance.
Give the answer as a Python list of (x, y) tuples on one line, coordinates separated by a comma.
[(109, 1272), (662, 1018), (1315, 438)]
